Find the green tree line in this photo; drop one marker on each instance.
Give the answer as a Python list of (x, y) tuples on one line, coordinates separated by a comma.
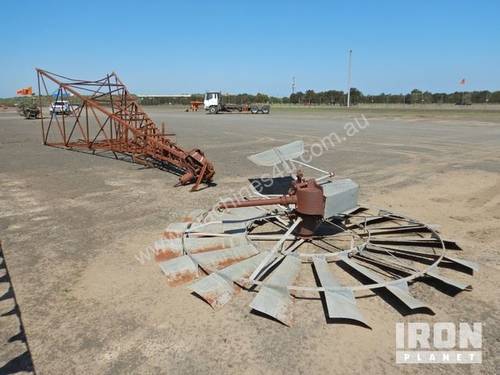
[(330, 97), (416, 96), (336, 97)]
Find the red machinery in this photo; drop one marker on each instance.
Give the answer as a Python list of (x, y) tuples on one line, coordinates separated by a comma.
[(308, 198), (108, 118)]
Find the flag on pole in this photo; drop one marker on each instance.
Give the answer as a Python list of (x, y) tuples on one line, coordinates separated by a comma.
[(462, 81), (25, 91)]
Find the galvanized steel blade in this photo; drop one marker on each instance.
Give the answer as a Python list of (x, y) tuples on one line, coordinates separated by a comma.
[(222, 258), (244, 214), (284, 253), (214, 289), (220, 223), (276, 301), (424, 242), (473, 266), (237, 271), (274, 251), (171, 248), (340, 304), (386, 261), (179, 270), (233, 226), (406, 225), (165, 249), (279, 154), (204, 244), (403, 229), (176, 230), (193, 215), (400, 290), (218, 288), (457, 284), (423, 253), (212, 227)]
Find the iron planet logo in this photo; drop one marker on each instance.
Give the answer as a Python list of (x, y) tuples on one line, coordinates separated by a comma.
[(442, 342)]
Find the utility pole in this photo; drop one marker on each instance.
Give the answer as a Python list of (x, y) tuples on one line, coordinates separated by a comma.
[(293, 85), (349, 80)]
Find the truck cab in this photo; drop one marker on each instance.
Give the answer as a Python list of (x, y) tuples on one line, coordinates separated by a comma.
[(212, 101)]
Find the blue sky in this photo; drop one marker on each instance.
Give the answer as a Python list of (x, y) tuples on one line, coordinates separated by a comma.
[(161, 47)]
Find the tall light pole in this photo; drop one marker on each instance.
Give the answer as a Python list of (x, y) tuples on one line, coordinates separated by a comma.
[(293, 85), (349, 80)]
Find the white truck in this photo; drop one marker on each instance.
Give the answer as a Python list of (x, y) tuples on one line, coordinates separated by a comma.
[(214, 103)]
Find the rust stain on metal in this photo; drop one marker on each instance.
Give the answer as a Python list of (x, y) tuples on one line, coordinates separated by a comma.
[(192, 216), (163, 255), (227, 262), (180, 278), (212, 299), (170, 235), (209, 248), (308, 198), (216, 300)]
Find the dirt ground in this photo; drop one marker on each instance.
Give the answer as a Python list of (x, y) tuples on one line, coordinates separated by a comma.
[(72, 224)]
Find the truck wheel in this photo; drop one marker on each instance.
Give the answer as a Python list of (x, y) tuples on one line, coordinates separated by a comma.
[(265, 109), (254, 110), (212, 110)]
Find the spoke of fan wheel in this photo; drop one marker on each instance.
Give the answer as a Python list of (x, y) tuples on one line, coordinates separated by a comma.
[(324, 248), (396, 259), (274, 250), (284, 253), (344, 229), (388, 263), (270, 237), (373, 266)]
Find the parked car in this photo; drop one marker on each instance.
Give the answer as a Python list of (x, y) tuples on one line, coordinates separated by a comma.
[(61, 107)]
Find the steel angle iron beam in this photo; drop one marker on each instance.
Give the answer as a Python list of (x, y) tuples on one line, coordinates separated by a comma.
[(102, 115)]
